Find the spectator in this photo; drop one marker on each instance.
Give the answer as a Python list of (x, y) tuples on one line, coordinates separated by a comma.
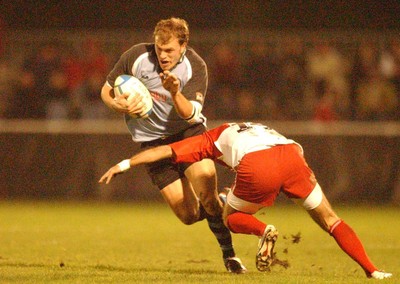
[(85, 70), (246, 107), (292, 94), (263, 75), (325, 107), (364, 67), (2, 39), (221, 105), (263, 68), (74, 69), (95, 60), (7, 77), (45, 65), (224, 67), (390, 66), (377, 99), (327, 67), (29, 102), (59, 101), (86, 98)]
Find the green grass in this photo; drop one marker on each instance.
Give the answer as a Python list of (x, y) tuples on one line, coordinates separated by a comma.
[(145, 243)]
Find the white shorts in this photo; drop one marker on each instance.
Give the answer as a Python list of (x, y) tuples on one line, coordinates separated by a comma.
[(242, 205)]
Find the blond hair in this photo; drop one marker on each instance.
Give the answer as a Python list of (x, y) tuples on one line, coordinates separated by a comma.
[(172, 27)]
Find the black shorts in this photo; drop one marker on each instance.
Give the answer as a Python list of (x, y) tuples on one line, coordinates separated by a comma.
[(165, 172)]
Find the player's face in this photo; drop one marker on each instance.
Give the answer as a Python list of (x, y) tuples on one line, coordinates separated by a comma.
[(169, 53)]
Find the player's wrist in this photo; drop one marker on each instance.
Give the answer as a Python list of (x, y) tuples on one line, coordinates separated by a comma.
[(174, 93), (124, 165)]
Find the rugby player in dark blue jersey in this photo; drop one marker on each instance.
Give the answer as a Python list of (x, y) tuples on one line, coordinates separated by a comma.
[(177, 79)]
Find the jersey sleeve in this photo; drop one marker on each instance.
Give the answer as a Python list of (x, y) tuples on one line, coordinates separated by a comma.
[(194, 149), (124, 65), (196, 87)]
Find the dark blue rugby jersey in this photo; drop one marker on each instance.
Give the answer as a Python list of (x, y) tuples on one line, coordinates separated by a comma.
[(141, 62)]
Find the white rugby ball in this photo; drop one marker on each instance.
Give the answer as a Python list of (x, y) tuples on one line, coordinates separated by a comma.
[(132, 85)]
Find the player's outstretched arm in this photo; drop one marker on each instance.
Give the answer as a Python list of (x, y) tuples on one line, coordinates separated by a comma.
[(144, 157)]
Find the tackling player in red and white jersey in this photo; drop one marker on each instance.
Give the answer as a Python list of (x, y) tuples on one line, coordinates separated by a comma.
[(266, 164)]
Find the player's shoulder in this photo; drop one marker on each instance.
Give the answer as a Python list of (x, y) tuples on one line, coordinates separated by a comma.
[(139, 49), (192, 55)]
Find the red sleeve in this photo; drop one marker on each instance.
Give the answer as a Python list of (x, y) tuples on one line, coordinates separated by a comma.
[(194, 149)]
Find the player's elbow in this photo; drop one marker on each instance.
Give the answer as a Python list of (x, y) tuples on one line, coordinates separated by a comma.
[(195, 116), (106, 94)]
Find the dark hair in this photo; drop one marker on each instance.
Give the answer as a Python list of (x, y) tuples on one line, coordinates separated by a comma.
[(167, 28)]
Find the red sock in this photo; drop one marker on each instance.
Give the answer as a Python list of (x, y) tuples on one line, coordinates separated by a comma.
[(351, 244), (243, 223)]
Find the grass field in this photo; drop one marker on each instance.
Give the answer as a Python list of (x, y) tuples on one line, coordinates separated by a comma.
[(145, 243)]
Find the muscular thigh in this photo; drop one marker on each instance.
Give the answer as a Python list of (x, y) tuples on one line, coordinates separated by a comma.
[(181, 198), (202, 176)]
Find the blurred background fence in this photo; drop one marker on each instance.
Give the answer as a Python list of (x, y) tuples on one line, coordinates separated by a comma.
[(354, 161)]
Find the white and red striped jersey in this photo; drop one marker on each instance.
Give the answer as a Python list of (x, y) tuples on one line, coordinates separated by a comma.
[(228, 143)]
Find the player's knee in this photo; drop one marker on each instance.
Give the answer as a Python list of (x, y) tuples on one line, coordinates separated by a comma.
[(188, 217), (205, 168), (206, 173), (212, 206), (188, 220)]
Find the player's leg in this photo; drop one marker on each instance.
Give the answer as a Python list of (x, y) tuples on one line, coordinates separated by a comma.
[(242, 221), (202, 176), (183, 201), (254, 188), (175, 189), (322, 213)]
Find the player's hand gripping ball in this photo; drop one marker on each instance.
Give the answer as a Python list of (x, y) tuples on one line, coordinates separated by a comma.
[(132, 85)]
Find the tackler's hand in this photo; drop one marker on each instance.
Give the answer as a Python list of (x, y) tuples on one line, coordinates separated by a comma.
[(110, 174)]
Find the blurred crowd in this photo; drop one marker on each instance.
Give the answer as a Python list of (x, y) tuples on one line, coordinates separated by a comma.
[(56, 83), (298, 80), (289, 79)]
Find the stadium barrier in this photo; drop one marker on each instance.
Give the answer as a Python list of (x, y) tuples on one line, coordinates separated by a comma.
[(353, 161)]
